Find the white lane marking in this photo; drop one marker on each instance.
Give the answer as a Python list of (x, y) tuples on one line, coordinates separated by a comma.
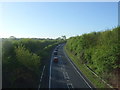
[(50, 70), (68, 80), (77, 70), (65, 74), (69, 85), (61, 68), (41, 77)]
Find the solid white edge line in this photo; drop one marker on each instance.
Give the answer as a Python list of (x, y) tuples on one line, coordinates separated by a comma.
[(50, 69), (77, 70), (50, 72)]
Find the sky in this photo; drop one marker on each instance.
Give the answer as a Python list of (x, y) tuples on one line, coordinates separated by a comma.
[(55, 19)]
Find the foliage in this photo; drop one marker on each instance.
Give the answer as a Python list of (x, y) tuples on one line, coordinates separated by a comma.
[(22, 61), (100, 51), (30, 60)]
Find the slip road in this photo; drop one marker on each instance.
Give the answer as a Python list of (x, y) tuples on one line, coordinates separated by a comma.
[(64, 74)]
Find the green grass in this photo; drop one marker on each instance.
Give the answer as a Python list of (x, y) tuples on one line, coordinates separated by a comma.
[(94, 80)]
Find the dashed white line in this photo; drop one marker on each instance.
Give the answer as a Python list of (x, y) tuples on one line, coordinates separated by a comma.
[(41, 77), (69, 85), (65, 74), (61, 68), (77, 70), (68, 80)]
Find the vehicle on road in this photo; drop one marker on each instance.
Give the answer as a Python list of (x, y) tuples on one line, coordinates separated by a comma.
[(55, 59), (56, 49), (55, 53)]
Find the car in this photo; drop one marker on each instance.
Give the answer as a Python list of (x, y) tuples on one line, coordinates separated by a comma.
[(55, 59), (55, 53), (56, 49)]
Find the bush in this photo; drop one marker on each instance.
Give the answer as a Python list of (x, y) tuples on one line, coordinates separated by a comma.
[(98, 50), (23, 60), (28, 59)]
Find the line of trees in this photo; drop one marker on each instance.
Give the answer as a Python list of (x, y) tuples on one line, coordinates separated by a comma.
[(100, 51), (22, 60)]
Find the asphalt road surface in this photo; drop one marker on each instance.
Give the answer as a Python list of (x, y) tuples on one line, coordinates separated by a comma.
[(64, 74)]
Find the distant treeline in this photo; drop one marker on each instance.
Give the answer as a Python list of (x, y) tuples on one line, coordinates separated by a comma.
[(100, 51), (22, 60)]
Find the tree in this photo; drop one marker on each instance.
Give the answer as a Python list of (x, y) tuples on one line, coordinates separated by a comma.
[(12, 37), (64, 37), (30, 60)]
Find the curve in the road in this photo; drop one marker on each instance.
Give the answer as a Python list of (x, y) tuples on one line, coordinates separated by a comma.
[(64, 74)]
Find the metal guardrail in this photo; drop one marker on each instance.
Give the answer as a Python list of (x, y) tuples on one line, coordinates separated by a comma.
[(99, 77)]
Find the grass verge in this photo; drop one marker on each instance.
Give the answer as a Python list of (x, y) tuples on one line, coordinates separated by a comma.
[(94, 80)]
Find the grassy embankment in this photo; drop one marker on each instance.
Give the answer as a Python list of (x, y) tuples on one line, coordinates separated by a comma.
[(100, 52)]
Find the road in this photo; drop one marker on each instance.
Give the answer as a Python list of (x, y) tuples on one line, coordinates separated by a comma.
[(64, 74)]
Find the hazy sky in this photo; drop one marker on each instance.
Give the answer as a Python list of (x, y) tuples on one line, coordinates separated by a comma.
[(52, 20)]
